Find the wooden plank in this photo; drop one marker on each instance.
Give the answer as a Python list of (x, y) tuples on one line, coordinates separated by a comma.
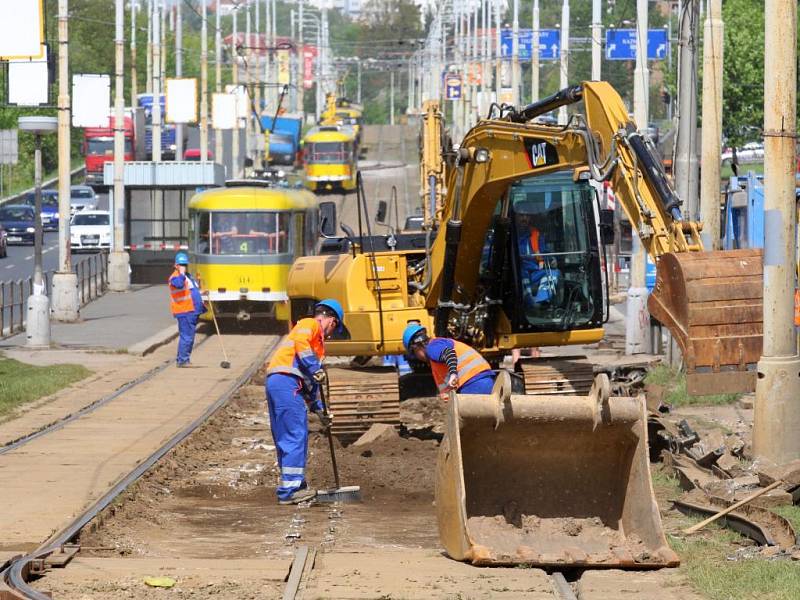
[(295, 573)]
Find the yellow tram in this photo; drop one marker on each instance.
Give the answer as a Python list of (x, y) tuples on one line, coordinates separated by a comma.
[(243, 239), (329, 159)]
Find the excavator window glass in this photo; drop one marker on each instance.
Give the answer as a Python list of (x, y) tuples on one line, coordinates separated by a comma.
[(556, 255)]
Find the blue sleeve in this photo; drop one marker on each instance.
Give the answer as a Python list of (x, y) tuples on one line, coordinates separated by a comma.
[(436, 346), (178, 281), (309, 362)]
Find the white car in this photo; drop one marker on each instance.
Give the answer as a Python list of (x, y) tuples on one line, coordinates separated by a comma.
[(90, 230)]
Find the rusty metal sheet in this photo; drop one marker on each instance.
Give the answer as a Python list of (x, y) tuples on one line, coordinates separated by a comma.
[(712, 303)]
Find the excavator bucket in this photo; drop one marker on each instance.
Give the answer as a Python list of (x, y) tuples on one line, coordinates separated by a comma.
[(548, 481), (712, 303)]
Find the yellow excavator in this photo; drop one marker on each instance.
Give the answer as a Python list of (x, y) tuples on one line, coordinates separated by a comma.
[(557, 476)]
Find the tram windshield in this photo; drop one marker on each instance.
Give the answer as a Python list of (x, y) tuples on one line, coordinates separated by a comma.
[(241, 233), (328, 152)]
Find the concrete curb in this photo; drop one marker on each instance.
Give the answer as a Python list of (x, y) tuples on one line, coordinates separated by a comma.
[(163, 337)]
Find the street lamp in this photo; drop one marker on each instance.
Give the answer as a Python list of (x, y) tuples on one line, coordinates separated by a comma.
[(37, 327)]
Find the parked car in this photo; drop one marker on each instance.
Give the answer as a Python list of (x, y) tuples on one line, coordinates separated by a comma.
[(90, 230), (750, 152), (193, 154), (81, 197), (18, 220), (3, 242), (49, 208)]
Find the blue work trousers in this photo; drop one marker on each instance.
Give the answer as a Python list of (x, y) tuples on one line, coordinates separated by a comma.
[(187, 324), (288, 419), (482, 383)]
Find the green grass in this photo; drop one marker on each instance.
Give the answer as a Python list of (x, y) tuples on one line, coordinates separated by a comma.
[(21, 382), (674, 383), (726, 172), (705, 563)]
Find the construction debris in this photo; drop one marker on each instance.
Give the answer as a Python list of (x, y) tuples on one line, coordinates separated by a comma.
[(378, 432)]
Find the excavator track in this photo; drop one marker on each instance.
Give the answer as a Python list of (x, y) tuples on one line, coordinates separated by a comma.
[(570, 375), (361, 397)]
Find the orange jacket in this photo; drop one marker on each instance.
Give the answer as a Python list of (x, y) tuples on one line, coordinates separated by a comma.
[(470, 363), (180, 299), (302, 351)]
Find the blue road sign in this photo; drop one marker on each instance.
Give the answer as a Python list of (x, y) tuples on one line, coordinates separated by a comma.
[(621, 44), (452, 85), (549, 43)]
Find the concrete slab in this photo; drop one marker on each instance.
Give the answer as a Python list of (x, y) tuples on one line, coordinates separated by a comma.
[(115, 321), (418, 574), (60, 474), (666, 584)]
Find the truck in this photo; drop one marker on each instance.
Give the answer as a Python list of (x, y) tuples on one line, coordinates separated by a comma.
[(168, 130), (98, 144), (284, 138)]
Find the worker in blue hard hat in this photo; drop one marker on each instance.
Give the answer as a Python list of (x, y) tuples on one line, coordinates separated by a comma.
[(186, 304), (294, 376), (454, 365)]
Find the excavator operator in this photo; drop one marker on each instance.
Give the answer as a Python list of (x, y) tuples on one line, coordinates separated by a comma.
[(454, 365), (539, 275)]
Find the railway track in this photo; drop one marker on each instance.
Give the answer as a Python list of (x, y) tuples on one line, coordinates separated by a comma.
[(16, 575)]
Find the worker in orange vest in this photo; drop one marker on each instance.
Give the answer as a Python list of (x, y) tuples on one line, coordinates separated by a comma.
[(454, 365), (294, 376), (186, 304), (539, 277)]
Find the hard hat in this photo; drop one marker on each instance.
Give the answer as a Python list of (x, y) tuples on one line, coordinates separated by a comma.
[(336, 307), (181, 258), (412, 331)]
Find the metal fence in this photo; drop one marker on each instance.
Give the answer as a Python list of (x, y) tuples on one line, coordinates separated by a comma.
[(92, 282)]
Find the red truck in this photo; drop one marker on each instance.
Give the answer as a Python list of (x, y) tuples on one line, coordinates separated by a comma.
[(98, 146)]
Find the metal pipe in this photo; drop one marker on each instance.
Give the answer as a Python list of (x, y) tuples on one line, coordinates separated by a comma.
[(515, 55), (218, 148), (134, 85), (712, 125), (179, 74), (235, 81), (776, 426), (148, 81)]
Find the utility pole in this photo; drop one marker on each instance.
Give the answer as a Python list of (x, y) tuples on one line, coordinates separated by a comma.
[(204, 82), (637, 318), (686, 166), (218, 147), (776, 424), (134, 85), (391, 97), (179, 74), (515, 54), (712, 125), (498, 48), (564, 81), (597, 32), (235, 81), (301, 59), (65, 282), (155, 109), (148, 82), (358, 90), (535, 53), (118, 259)]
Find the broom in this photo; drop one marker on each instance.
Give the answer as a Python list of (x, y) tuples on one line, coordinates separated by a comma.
[(350, 493)]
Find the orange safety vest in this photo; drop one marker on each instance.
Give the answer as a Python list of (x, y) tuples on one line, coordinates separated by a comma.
[(180, 299), (535, 250), (304, 338), (470, 364), (797, 307)]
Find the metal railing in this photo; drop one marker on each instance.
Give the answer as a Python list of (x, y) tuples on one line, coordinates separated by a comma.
[(92, 275)]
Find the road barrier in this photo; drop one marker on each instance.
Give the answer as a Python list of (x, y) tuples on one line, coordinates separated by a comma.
[(92, 282), (48, 183)]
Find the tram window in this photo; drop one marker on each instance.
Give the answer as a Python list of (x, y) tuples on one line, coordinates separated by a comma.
[(240, 233), (199, 233), (328, 152)]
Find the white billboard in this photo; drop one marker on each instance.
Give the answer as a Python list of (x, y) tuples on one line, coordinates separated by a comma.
[(223, 111), (21, 29), (28, 81), (242, 100), (91, 100), (181, 101)]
